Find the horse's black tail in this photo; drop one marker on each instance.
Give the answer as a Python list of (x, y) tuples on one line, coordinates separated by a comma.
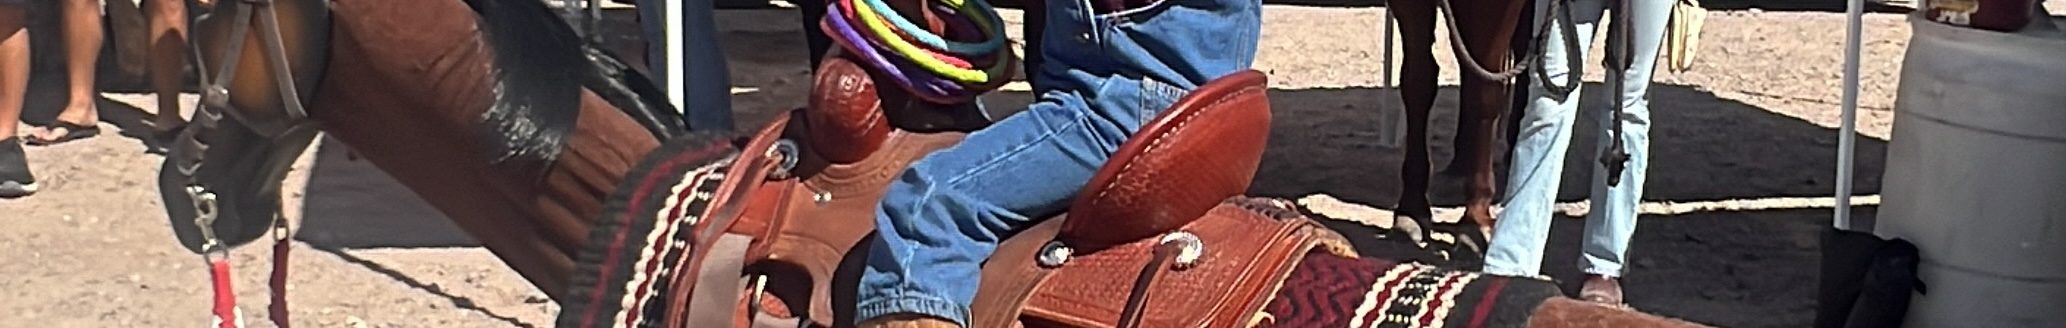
[(632, 92), (540, 68), (535, 77)]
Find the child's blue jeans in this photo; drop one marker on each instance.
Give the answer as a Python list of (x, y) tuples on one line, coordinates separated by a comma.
[(1103, 77)]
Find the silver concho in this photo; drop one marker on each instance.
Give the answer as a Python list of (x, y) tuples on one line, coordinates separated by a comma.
[(1189, 250), (1054, 254), (786, 150)]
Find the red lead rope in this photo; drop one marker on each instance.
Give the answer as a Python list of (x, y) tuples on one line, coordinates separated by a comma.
[(225, 296), (226, 313), (279, 280)]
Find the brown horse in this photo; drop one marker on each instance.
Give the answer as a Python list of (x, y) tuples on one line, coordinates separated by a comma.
[(524, 136)]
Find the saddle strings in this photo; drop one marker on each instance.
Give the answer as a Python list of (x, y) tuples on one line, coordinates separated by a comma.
[(935, 68)]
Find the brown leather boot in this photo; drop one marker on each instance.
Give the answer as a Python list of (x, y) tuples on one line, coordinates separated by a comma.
[(1601, 289), (907, 321)]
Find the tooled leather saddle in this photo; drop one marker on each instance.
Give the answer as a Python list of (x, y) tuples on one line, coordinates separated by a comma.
[(1160, 237)]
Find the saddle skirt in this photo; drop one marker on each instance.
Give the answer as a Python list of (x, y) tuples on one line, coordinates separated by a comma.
[(1160, 236)]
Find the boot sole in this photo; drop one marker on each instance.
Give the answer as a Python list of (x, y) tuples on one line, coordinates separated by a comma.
[(12, 189)]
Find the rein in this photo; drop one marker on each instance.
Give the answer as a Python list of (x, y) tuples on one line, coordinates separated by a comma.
[(1616, 157), (930, 66), (1470, 64), (297, 131)]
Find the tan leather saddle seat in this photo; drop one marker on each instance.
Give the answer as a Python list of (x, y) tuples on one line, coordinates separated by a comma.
[(1181, 174)]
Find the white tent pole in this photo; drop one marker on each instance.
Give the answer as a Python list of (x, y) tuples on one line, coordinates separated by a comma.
[(676, 57), (1398, 126), (1389, 19), (1846, 139)]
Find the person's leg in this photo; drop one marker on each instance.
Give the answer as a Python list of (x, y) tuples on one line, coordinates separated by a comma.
[(1538, 163), (815, 41), (946, 214), (706, 102), (1035, 21), (707, 99), (15, 179), (14, 64), (652, 22), (82, 31), (168, 50), (1613, 218)]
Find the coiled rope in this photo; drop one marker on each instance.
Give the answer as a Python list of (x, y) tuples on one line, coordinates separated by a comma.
[(935, 68)]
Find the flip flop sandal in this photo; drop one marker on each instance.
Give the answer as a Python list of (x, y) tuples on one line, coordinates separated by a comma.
[(73, 131)]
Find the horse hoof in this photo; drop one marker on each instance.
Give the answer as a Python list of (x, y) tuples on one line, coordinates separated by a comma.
[(1409, 226)]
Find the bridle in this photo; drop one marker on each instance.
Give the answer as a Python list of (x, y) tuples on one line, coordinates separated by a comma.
[(287, 134), (1616, 157)]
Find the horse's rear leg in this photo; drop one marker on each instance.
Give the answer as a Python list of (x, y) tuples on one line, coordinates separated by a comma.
[(1488, 29), (1417, 89)]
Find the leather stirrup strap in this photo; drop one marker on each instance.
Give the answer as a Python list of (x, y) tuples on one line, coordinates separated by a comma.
[(1136, 301), (712, 305)]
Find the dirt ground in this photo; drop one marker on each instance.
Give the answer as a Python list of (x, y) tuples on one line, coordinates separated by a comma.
[(1755, 119)]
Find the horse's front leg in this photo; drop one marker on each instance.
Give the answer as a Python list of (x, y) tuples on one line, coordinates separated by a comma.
[(1488, 29)]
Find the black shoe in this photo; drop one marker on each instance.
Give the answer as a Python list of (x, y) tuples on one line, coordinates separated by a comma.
[(15, 179)]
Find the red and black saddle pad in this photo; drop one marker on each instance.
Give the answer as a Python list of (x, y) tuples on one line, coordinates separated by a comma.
[(645, 234), (1331, 291)]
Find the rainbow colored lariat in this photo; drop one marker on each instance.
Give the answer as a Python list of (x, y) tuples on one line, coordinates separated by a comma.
[(936, 68)]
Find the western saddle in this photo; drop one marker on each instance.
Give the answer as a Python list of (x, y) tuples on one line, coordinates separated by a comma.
[(1160, 236)]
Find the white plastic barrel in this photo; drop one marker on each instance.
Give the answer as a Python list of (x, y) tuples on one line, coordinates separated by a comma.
[(1976, 175)]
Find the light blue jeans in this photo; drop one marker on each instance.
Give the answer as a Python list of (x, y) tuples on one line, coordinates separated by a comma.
[(1538, 162), (1105, 75), (707, 100)]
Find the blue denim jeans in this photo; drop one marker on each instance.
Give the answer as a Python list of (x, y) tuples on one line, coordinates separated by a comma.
[(707, 97), (1105, 75), (1538, 162)]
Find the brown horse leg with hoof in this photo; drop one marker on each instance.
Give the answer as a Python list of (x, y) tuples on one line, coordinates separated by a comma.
[(1487, 27)]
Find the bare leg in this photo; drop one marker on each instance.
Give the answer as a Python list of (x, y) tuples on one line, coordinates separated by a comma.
[(82, 50), (14, 67), (1417, 89), (168, 49), (15, 178)]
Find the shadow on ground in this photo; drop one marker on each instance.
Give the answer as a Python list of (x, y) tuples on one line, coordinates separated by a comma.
[(1702, 148), (352, 204)]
